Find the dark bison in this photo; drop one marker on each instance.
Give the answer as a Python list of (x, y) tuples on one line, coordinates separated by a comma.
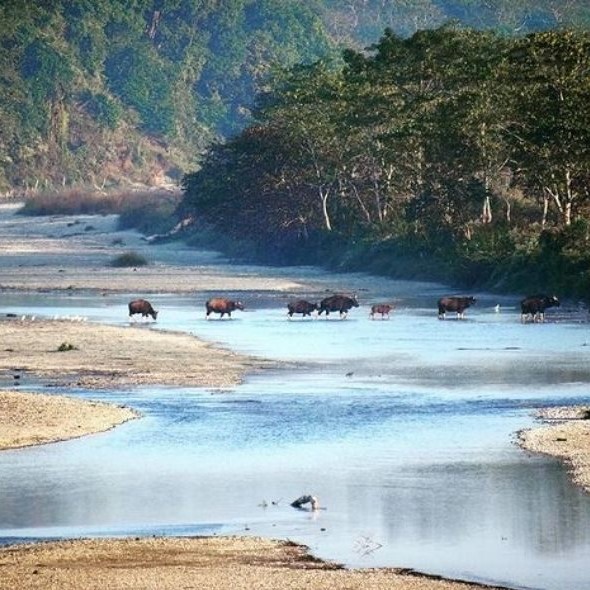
[(340, 303), (223, 306), (143, 307), (382, 308), (535, 306), (458, 304), (301, 306)]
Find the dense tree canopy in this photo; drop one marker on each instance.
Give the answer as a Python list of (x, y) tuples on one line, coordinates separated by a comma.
[(466, 144), (112, 89)]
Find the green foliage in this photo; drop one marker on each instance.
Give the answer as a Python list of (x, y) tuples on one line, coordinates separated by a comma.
[(142, 81), (104, 110), (149, 213), (428, 148), (85, 80)]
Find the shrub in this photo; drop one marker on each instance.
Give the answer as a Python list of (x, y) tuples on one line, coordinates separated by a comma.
[(65, 346), (70, 202), (129, 259), (150, 212)]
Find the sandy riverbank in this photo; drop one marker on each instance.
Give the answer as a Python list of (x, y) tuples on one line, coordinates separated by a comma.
[(565, 435), (206, 563), (101, 357), (114, 357), (74, 253), (31, 418)]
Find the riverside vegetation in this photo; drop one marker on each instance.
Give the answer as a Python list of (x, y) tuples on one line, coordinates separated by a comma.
[(454, 147), (453, 154)]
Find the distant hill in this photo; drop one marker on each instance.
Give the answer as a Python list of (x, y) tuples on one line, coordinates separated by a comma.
[(94, 92)]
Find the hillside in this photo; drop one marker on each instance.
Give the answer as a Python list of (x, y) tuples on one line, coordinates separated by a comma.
[(105, 92)]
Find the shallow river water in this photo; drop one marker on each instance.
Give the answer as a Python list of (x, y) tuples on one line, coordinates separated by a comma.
[(403, 428)]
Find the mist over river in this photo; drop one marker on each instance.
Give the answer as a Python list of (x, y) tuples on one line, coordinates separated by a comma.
[(403, 428)]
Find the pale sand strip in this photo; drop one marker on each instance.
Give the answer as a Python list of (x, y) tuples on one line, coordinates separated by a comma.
[(32, 418), (567, 437), (211, 563), (109, 357)]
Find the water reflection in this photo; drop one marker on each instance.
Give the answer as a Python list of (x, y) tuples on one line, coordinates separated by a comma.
[(402, 428)]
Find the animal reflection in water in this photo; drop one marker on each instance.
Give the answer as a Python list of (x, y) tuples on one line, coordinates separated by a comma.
[(223, 306), (143, 307)]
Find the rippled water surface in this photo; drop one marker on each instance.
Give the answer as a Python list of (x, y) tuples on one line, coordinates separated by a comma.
[(404, 429)]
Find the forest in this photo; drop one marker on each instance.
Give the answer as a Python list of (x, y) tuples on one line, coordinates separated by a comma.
[(108, 92), (454, 153), (440, 138)]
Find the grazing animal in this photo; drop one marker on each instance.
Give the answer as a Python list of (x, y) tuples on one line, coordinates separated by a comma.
[(223, 306), (535, 306), (382, 308), (143, 307), (458, 304), (340, 303), (301, 306)]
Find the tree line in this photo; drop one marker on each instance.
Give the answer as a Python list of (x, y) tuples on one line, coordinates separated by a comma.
[(107, 91), (464, 151)]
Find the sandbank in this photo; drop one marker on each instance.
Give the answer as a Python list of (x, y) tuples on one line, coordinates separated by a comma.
[(32, 418), (104, 357), (566, 435), (244, 563)]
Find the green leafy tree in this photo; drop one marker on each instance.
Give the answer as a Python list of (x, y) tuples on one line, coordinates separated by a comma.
[(551, 132)]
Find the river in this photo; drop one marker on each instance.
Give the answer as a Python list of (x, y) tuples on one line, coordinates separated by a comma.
[(403, 428)]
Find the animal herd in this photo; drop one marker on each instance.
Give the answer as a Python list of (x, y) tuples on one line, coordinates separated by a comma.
[(532, 307)]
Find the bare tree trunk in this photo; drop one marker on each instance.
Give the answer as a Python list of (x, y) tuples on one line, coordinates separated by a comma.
[(545, 209), (363, 207), (486, 214), (508, 211), (569, 198), (324, 194)]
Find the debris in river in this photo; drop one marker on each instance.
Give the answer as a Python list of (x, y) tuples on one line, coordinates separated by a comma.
[(307, 499), (365, 545)]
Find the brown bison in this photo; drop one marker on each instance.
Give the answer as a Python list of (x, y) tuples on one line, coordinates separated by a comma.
[(143, 307), (301, 306), (223, 306), (382, 308), (535, 306), (458, 304), (340, 303)]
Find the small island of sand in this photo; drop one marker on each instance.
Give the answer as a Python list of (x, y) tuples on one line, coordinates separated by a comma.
[(32, 418), (566, 436)]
